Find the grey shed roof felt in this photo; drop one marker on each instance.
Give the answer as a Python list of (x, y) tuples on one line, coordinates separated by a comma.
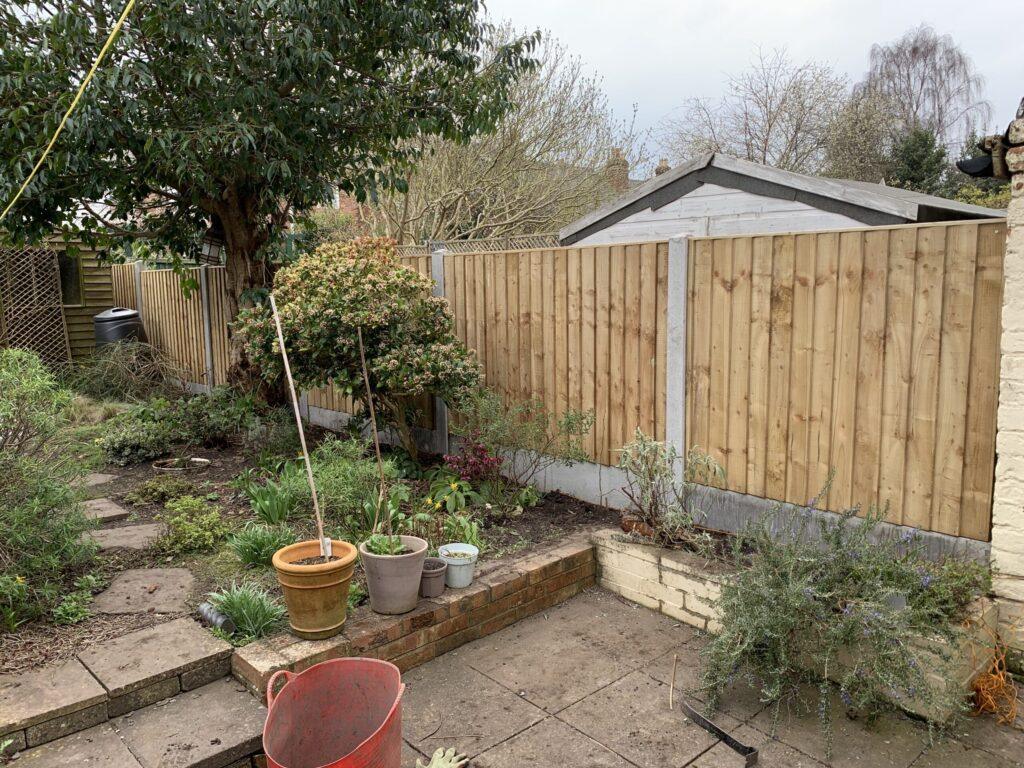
[(866, 202)]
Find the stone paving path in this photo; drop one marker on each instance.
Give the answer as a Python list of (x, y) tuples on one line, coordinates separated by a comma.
[(586, 684)]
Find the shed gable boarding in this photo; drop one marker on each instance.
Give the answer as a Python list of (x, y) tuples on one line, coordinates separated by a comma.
[(711, 209)]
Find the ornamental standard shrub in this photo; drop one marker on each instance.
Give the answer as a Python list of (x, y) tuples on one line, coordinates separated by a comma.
[(411, 347)]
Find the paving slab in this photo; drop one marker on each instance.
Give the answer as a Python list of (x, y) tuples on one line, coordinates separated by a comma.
[(771, 753), (105, 510), (985, 733), (32, 698), (549, 661), (93, 479), (551, 743), (739, 700), (97, 747), (148, 656), (141, 536), (211, 727), (446, 703), (954, 754), (632, 718), (891, 741), (147, 590)]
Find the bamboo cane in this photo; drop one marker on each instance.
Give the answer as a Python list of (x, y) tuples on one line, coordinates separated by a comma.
[(376, 439), (325, 543)]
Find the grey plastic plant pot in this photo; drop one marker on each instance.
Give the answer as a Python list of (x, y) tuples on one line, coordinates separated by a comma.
[(432, 581), (460, 569), (393, 581)]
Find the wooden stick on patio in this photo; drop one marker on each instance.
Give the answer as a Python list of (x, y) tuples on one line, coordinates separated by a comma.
[(325, 544)]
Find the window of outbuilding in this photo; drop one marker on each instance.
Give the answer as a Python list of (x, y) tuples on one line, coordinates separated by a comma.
[(70, 279)]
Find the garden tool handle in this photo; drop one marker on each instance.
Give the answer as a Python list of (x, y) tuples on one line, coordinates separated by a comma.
[(273, 681)]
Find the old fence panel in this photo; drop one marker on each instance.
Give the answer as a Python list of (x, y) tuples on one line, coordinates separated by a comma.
[(869, 354)]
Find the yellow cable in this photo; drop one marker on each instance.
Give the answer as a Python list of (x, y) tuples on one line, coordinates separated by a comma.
[(78, 96)]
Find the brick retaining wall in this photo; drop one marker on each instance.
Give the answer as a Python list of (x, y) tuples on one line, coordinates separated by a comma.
[(501, 595)]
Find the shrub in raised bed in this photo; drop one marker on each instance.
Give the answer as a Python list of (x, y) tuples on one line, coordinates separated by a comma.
[(193, 525), (818, 599)]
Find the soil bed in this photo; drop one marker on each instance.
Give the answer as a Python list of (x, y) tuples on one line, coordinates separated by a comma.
[(40, 642)]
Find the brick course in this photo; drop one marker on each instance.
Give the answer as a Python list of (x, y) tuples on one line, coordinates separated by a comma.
[(497, 598)]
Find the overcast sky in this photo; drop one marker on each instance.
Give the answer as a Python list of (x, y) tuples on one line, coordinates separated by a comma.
[(656, 53)]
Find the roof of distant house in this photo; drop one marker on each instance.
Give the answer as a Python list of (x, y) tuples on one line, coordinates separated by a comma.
[(870, 203)]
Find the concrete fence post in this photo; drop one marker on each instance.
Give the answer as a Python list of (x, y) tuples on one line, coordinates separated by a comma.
[(440, 436), (1008, 494), (137, 270), (675, 347), (204, 294)]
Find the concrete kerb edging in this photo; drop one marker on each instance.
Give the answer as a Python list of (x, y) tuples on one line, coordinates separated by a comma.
[(683, 586)]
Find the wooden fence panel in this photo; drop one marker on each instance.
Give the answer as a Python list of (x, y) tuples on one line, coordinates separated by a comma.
[(575, 328), (122, 277), (869, 354), (173, 322)]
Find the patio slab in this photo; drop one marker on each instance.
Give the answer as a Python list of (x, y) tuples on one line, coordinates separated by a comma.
[(211, 727), (147, 665), (93, 479), (147, 590), (141, 536), (51, 702), (632, 717), (552, 743), (771, 753), (98, 747), (105, 511), (449, 704)]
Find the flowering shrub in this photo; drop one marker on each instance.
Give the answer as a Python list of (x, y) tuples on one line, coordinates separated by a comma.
[(411, 348), (847, 602), (476, 463)]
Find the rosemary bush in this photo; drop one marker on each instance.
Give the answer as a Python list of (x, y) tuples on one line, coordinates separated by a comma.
[(818, 599)]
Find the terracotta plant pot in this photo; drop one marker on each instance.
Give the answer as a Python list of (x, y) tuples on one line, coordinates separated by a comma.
[(316, 595), (631, 524), (432, 580), (393, 581)]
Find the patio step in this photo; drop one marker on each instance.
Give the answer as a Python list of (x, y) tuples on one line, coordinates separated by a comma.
[(217, 725), (140, 536), (109, 680)]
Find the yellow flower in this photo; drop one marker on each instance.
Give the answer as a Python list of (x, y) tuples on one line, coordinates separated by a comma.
[(19, 579), (437, 505), (453, 485)]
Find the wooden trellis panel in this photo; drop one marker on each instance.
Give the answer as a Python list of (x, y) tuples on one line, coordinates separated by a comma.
[(31, 311)]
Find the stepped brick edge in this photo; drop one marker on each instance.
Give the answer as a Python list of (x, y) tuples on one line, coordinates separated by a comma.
[(498, 597)]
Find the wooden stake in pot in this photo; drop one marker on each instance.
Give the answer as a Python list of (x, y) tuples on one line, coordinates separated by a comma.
[(376, 438), (325, 543)]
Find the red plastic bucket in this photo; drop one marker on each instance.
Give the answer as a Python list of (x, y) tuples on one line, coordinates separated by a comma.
[(343, 713)]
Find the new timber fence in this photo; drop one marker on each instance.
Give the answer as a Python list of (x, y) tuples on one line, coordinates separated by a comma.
[(867, 355)]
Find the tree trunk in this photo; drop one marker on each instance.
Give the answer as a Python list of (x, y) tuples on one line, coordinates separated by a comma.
[(246, 274)]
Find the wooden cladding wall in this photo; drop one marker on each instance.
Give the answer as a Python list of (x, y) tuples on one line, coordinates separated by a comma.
[(576, 328), (870, 353)]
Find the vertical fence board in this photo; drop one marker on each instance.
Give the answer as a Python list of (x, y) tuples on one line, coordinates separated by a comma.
[(760, 365), (587, 339), (781, 331), (739, 363), (801, 359), (844, 399), (924, 376), (718, 383)]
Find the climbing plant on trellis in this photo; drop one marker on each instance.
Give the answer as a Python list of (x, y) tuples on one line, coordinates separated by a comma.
[(31, 312)]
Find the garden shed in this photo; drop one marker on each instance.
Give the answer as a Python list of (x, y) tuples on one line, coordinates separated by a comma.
[(48, 296), (715, 195)]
